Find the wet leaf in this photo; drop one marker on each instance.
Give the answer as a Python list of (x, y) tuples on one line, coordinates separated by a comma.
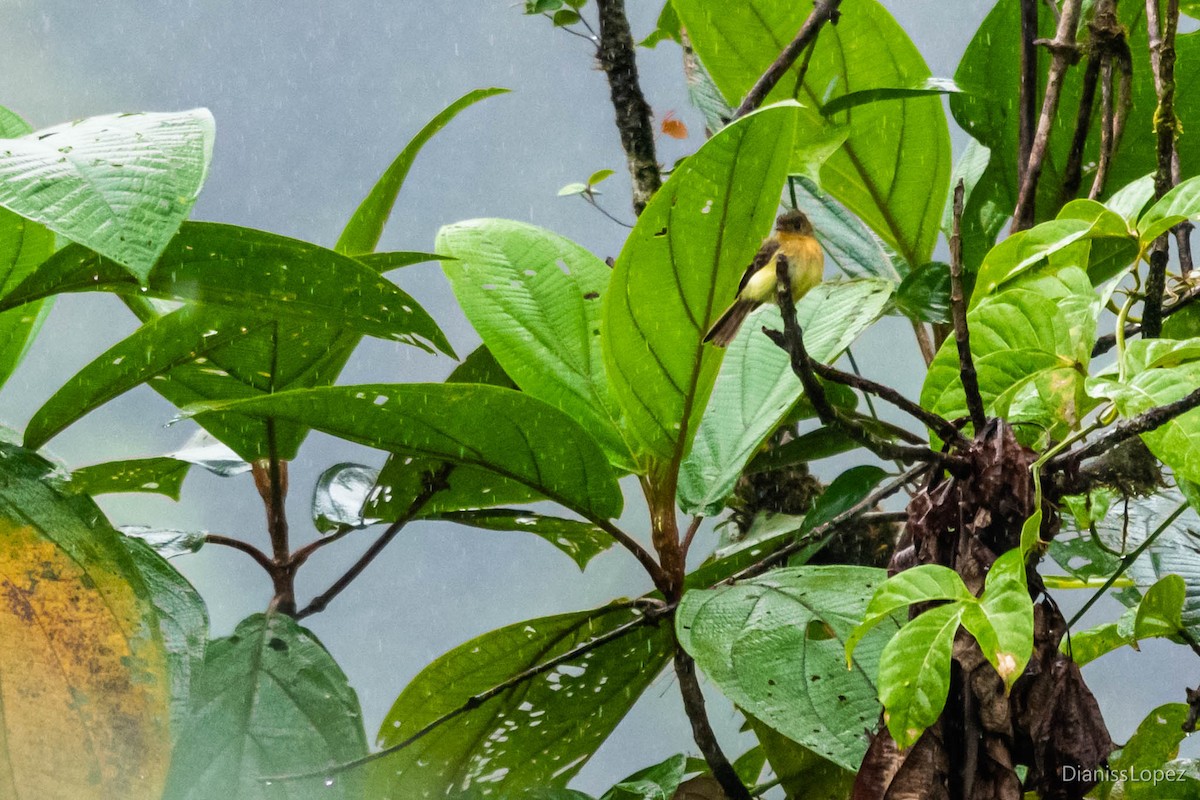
[(678, 270), (240, 269), (362, 232), (162, 475), (120, 184), (751, 641), (659, 782), (167, 542), (23, 245), (756, 387), (914, 672), (269, 700), (582, 541), (1157, 615), (893, 169), (924, 295), (538, 733), (86, 691), (535, 299), (339, 495), (506, 432), (1155, 743)]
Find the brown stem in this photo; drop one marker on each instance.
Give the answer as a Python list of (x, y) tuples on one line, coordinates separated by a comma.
[(791, 341), (691, 534), (1027, 100), (702, 732), (1107, 130), (650, 617), (658, 574), (432, 483), (823, 11), (926, 345), (262, 558), (1162, 58), (1063, 52), (617, 57), (1073, 171), (958, 310)]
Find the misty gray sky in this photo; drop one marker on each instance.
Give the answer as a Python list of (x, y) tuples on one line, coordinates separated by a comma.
[(312, 101)]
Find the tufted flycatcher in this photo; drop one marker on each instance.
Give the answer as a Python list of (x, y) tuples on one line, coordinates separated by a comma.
[(793, 239)]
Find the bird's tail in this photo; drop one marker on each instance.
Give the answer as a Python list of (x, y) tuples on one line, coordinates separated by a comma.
[(725, 328)]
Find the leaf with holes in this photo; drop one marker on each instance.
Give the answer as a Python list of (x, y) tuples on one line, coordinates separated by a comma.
[(120, 184)]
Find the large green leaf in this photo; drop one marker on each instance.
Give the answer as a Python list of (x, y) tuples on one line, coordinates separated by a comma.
[(269, 700), (756, 386), (1031, 345), (536, 299), (177, 338), (249, 271), (914, 672), (506, 432), (23, 245), (774, 646), (182, 620), (538, 733), (85, 687), (362, 232), (1158, 614), (119, 184), (677, 271), (159, 474), (987, 108), (893, 168), (1155, 743)]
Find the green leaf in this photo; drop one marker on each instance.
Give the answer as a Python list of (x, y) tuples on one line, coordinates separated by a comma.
[(572, 189), (753, 640), (843, 493), (1008, 608), (984, 206), (386, 262), (241, 268), (535, 299), (679, 267), (362, 232), (893, 169), (1031, 345), (801, 772), (506, 432), (756, 387), (924, 294), (921, 584), (119, 184), (182, 622), (914, 672), (846, 240), (658, 782), (1159, 372), (161, 475), (87, 679), (929, 86), (665, 29), (1129, 200), (599, 176), (1159, 614), (23, 245), (269, 700), (582, 541), (1155, 743), (1178, 205), (538, 733), (175, 339)]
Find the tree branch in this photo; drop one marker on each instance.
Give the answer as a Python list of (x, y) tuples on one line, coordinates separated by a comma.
[(1135, 426), (1109, 340), (433, 482), (823, 11), (791, 341), (1073, 171), (617, 57), (262, 558), (830, 527), (702, 732), (1063, 53), (662, 581), (649, 617), (1027, 100), (958, 309), (1162, 58)]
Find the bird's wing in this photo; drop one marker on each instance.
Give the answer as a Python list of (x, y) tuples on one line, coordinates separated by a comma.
[(761, 259)]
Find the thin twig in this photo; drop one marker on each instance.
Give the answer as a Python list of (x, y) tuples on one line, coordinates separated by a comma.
[(791, 341), (824, 11), (302, 554), (1127, 429), (433, 482), (1109, 340), (828, 528), (924, 342), (475, 701), (691, 534), (1073, 171), (1107, 130), (1063, 52), (262, 558), (958, 310), (618, 59), (941, 425), (657, 574), (592, 200), (702, 732)]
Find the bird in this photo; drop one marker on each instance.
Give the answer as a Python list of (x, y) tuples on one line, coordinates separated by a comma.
[(793, 239)]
